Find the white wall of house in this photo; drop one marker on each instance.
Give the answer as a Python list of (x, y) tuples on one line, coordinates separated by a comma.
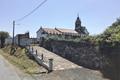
[(16, 40), (40, 35), (25, 41), (8, 41)]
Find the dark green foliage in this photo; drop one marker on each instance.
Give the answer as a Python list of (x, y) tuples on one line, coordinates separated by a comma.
[(111, 36), (3, 36), (112, 33), (70, 38), (109, 45)]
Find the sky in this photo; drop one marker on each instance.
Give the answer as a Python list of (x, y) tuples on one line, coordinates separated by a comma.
[(96, 15)]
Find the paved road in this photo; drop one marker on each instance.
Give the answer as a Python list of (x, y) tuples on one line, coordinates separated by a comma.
[(72, 74), (7, 71), (10, 72)]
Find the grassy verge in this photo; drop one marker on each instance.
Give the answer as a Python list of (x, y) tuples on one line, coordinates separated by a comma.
[(21, 60)]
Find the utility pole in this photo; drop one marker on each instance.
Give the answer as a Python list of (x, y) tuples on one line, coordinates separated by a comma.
[(13, 41)]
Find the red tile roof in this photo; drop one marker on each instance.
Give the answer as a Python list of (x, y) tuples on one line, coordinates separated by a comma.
[(66, 30), (51, 31), (60, 31)]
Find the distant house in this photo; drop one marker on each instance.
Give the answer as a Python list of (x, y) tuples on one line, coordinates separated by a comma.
[(8, 41), (33, 40), (79, 31), (43, 32), (22, 39)]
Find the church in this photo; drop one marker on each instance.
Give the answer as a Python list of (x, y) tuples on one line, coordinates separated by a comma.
[(79, 31)]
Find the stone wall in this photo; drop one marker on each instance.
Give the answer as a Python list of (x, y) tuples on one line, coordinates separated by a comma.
[(83, 53), (113, 54), (103, 57)]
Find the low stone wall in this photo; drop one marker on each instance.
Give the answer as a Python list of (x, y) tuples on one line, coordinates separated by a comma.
[(82, 53), (39, 59)]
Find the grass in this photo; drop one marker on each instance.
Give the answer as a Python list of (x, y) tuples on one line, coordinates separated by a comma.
[(21, 60)]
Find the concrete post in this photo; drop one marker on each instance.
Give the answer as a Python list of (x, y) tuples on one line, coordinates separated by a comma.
[(41, 56), (50, 65)]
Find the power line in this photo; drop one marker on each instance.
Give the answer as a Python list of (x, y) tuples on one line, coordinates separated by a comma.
[(22, 18)]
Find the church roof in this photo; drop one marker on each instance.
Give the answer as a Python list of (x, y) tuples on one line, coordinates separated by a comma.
[(66, 30), (51, 31), (60, 31)]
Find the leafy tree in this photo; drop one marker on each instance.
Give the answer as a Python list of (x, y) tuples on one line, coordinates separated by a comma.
[(111, 35), (3, 36)]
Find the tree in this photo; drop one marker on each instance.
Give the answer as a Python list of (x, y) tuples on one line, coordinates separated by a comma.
[(116, 23), (3, 36)]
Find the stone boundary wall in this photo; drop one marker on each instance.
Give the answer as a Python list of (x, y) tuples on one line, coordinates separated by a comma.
[(82, 53)]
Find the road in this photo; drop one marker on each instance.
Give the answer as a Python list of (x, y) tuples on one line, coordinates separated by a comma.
[(10, 72)]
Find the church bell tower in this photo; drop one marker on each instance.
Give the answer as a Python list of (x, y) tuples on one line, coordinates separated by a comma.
[(78, 24)]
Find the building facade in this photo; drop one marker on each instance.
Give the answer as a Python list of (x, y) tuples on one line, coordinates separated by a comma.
[(79, 31), (22, 39), (8, 41)]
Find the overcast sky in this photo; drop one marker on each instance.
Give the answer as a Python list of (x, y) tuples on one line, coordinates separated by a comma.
[(96, 15)]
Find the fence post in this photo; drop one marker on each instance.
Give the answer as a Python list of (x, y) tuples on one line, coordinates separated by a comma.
[(50, 65), (36, 52), (32, 49), (28, 49)]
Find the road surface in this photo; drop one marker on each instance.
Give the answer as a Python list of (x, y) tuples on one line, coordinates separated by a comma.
[(10, 72)]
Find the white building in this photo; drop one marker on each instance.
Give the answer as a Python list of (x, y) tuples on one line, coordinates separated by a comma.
[(22, 39), (8, 41), (44, 32), (79, 31)]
